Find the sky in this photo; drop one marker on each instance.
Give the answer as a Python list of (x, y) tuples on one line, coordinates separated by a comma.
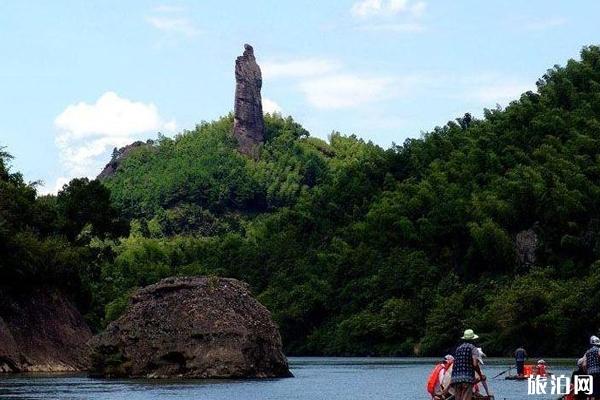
[(78, 78)]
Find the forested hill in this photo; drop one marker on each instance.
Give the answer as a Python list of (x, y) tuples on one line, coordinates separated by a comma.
[(361, 250), (490, 223)]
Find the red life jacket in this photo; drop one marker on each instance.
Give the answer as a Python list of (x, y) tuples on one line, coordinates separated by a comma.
[(541, 370), (433, 378)]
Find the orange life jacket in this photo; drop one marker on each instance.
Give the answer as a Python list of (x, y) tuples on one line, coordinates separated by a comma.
[(527, 370), (433, 378)]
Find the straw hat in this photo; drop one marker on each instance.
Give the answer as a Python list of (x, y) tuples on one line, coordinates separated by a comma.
[(470, 335)]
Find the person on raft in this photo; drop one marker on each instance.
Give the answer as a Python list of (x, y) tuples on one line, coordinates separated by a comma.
[(580, 371), (466, 365), (435, 383), (591, 364), (520, 357), (541, 368)]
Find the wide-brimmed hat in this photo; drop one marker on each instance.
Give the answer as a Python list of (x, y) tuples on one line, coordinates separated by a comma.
[(448, 358), (470, 335), (541, 362), (595, 340)]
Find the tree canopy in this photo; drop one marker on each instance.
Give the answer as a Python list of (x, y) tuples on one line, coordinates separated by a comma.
[(356, 249)]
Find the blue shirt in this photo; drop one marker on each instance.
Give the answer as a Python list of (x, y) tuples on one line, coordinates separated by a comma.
[(520, 354)]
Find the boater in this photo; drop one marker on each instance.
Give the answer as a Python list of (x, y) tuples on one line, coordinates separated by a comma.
[(591, 363), (541, 368), (466, 365), (435, 383), (520, 357)]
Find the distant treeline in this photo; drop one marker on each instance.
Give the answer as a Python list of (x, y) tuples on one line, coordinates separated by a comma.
[(356, 250)]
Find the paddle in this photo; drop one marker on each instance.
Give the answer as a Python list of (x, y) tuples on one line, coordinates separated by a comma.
[(503, 372), (487, 390), (485, 386)]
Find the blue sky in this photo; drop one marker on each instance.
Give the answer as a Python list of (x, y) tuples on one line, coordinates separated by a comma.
[(78, 78)]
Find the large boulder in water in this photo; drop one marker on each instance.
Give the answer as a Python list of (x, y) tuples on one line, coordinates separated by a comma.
[(200, 327), (41, 331)]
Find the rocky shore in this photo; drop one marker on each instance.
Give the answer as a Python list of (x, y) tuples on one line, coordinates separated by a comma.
[(41, 331)]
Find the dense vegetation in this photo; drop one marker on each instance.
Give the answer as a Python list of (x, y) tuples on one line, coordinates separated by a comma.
[(358, 249), (43, 240)]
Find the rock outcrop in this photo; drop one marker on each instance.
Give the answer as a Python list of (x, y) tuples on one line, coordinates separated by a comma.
[(248, 123), (41, 331), (119, 155), (200, 327)]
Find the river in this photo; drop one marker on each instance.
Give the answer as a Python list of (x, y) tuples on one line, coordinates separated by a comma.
[(315, 379)]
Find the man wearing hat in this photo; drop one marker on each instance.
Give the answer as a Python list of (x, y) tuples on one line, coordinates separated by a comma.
[(466, 365), (591, 364)]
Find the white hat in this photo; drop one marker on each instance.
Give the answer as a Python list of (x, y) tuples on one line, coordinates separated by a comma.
[(541, 362), (470, 335), (449, 358), (595, 340)]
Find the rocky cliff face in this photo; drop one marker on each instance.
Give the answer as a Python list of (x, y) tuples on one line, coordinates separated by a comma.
[(119, 155), (193, 328), (41, 331), (248, 123)]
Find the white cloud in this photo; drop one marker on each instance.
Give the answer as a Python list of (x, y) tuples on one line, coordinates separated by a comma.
[(172, 20), (325, 84), (344, 91), (543, 24), (270, 107), (418, 8), (176, 25), (477, 88), (45, 189), (366, 7), (170, 126), (492, 93), (60, 182), (373, 8), (168, 8), (399, 27), (111, 115), (86, 132), (298, 68), (396, 16)]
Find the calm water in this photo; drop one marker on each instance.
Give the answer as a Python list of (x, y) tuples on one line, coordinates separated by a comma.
[(315, 379)]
